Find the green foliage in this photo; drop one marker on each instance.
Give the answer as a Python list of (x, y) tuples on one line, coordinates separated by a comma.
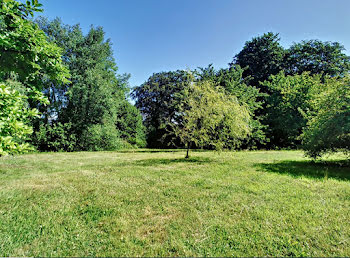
[(290, 96), (317, 57), (96, 98), (129, 124), (15, 117), (158, 99), (328, 121), (26, 55), (211, 118), (101, 137), (262, 56), (232, 81), (19, 9), (55, 137), (24, 48)]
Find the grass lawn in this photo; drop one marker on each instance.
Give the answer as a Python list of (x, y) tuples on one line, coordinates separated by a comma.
[(156, 203)]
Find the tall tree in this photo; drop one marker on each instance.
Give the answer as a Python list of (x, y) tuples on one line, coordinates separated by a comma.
[(290, 97), (90, 103), (24, 48), (317, 57), (158, 100), (262, 56)]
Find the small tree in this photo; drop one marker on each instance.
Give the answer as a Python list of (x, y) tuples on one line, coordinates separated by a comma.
[(210, 117)]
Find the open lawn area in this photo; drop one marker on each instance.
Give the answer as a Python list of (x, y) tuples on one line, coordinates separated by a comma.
[(156, 203)]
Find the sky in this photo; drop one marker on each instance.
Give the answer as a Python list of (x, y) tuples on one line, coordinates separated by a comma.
[(151, 36)]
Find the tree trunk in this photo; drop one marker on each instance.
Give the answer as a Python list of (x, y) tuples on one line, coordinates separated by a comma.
[(188, 149)]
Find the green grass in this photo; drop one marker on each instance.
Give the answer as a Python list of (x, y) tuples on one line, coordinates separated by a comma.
[(156, 203)]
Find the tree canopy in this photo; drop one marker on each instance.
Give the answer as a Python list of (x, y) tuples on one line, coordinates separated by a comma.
[(328, 121), (159, 100), (262, 56), (317, 57), (91, 103), (24, 48), (210, 117)]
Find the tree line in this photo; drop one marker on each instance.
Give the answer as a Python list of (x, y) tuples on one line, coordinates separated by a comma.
[(296, 97), (60, 90)]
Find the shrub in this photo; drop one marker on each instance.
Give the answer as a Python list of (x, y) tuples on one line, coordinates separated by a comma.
[(55, 137), (101, 137)]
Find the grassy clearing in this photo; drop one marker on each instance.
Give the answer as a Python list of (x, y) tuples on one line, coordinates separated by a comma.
[(156, 203)]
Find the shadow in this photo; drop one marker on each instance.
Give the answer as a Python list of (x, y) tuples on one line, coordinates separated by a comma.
[(311, 169), (151, 151), (155, 162)]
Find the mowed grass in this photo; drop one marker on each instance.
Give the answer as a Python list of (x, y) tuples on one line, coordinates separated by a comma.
[(156, 203)]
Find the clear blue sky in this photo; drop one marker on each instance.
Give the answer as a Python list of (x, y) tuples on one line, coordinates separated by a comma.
[(160, 35)]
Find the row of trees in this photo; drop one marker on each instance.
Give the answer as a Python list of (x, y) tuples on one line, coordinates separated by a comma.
[(60, 90), (295, 97)]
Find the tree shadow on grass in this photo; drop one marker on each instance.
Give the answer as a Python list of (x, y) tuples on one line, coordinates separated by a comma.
[(311, 169), (158, 150), (169, 161), (150, 151)]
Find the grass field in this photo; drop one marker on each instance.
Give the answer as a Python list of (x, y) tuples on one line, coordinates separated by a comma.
[(156, 203)]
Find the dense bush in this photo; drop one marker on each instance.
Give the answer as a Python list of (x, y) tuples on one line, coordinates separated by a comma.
[(101, 137), (55, 137)]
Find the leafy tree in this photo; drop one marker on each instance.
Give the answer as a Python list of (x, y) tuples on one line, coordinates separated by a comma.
[(24, 49), (328, 121), (129, 124), (317, 57), (15, 117), (69, 38), (262, 56), (25, 55), (290, 96), (91, 103), (210, 117), (232, 81), (158, 100)]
